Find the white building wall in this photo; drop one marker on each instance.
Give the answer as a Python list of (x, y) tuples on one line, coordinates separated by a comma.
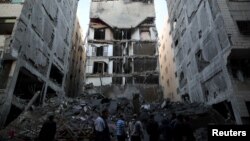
[(91, 33), (108, 34), (153, 33), (131, 51), (14, 8), (97, 81), (89, 51), (110, 50), (110, 67), (136, 35)]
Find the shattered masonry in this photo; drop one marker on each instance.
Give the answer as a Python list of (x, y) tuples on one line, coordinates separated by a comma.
[(35, 40), (211, 53), (122, 48)]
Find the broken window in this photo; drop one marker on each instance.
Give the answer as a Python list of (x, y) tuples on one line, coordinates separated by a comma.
[(122, 34), (182, 80), (239, 64), (145, 33), (117, 80), (7, 25), (117, 66), (174, 23), (145, 64), (201, 62), (99, 34), (244, 27), (176, 43), (27, 85), (240, 69), (225, 109), (5, 68), (145, 49), (117, 50), (127, 66), (56, 75), (214, 86), (50, 93), (99, 51), (100, 67), (185, 98)]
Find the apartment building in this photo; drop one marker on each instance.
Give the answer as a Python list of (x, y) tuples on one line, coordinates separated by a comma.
[(35, 40), (122, 56), (168, 77), (211, 43)]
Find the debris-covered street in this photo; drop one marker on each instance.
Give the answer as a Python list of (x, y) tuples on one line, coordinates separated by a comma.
[(75, 117), (124, 70)]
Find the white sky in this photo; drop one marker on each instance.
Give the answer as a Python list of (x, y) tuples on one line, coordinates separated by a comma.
[(83, 14)]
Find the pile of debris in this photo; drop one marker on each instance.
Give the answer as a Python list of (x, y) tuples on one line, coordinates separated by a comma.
[(75, 117)]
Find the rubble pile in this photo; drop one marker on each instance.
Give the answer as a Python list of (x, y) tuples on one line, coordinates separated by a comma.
[(75, 117)]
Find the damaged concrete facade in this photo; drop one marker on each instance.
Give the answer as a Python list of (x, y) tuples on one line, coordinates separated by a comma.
[(168, 79), (35, 40), (122, 47), (77, 59), (211, 46)]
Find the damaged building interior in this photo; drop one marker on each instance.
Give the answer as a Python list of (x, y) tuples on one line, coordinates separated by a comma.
[(198, 67), (35, 39), (122, 54)]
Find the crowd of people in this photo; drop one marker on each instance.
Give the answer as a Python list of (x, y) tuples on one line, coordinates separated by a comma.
[(178, 128)]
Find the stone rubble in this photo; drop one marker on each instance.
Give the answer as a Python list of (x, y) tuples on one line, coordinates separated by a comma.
[(75, 117)]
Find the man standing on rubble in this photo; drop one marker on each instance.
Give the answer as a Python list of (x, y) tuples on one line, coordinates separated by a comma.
[(101, 127), (48, 130)]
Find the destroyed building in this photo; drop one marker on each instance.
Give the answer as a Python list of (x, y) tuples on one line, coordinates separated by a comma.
[(35, 40), (168, 79), (211, 46), (77, 59), (122, 47)]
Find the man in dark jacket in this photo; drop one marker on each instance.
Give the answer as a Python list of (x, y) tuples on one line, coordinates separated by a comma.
[(153, 129), (48, 130)]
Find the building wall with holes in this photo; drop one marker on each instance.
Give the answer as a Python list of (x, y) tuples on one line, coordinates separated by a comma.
[(207, 41)]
